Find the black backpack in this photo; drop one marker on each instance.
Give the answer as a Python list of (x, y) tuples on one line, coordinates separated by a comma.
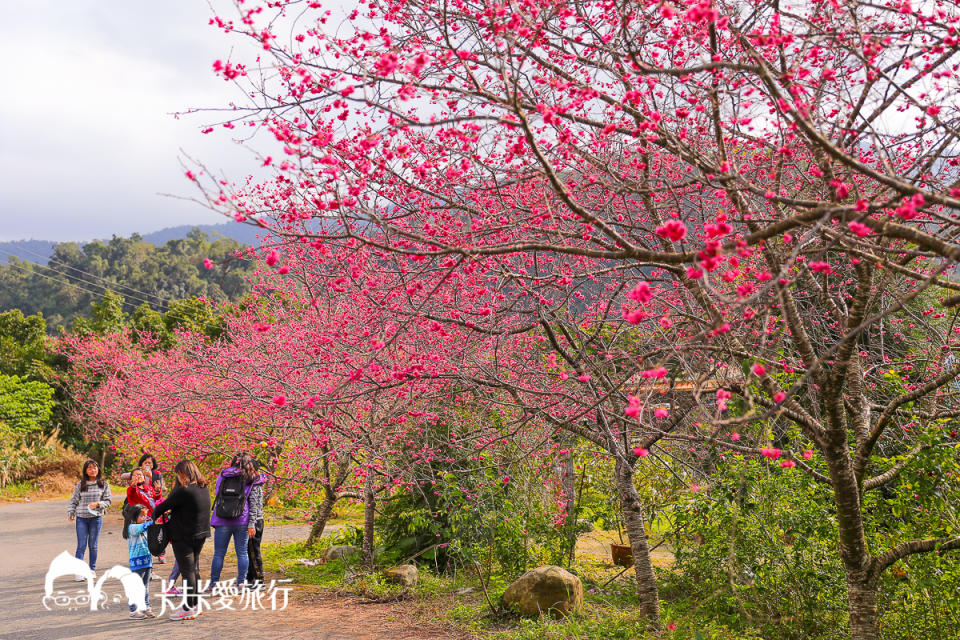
[(232, 497)]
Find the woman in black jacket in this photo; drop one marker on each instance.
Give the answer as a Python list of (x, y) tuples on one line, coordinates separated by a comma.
[(188, 528)]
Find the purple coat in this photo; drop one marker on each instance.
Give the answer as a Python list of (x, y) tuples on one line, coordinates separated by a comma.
[(252, 508)]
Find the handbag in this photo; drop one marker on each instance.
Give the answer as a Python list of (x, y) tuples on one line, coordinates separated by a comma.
[(157, 538)]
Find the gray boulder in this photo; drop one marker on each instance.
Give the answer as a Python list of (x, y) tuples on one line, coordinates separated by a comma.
[(404, 574), (544, 589)]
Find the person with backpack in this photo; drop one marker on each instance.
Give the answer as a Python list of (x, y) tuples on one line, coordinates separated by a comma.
[(90, 499), (238, 506), (188, 528)]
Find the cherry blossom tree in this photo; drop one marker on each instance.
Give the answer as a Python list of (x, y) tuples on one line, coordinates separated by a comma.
[(782, 177)]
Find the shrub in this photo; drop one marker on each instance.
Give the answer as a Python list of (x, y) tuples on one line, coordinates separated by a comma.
[(24, 459), (25, 405), (758, 550)]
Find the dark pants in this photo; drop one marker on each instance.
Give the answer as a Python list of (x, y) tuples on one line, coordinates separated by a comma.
[(187, 553), (88, 535), (255, 568), (145, 576), (174, 572)]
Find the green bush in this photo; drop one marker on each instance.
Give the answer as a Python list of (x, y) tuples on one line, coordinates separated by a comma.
[(920, 598), (473, 511), (346, 535), (758, 550), (462, 517), (25, 405)]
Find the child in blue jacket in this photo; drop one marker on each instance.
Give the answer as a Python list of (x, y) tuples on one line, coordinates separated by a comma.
[(141, 562)]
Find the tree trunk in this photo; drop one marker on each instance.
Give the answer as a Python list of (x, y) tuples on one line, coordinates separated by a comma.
[(857, 561), (368, 513), (637, 534), (862, 601), (321, 517), (568, 476)]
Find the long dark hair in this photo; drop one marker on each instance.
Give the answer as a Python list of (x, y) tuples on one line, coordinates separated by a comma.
[(83, 475), (248, 464), (190, 471), (130, 515)]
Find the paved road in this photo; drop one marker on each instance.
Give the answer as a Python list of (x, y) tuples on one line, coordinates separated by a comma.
[(32, 534)]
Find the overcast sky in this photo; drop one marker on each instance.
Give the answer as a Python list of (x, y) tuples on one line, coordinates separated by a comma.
[(87, 136)]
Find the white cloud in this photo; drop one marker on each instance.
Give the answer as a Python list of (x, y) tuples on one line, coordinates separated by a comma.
[(87, 135)]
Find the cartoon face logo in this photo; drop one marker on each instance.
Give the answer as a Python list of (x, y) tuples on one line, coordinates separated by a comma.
[(66, 565)]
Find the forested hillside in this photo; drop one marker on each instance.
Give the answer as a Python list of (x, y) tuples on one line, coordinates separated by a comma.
[(39, 251), (143, 273)]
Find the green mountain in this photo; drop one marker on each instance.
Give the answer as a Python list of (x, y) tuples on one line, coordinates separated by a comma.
[(74, 275), (39, 251)]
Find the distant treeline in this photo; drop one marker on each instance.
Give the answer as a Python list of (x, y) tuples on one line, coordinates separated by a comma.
[(143, 273)]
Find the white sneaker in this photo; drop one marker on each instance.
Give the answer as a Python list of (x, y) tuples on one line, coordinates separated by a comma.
[(137, 615), (184, 614), (79, 578)]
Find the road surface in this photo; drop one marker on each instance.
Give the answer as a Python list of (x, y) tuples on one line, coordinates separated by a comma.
[(32, 534)]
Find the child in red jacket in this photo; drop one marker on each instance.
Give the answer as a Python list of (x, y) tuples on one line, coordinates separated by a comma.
[(137, 491)]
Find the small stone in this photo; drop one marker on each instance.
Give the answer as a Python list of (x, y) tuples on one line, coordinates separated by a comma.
[(585, 526), (404, 574), (340, 552), (464, 591)]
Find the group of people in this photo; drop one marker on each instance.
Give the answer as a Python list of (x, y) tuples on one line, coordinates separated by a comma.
[(186, 515)]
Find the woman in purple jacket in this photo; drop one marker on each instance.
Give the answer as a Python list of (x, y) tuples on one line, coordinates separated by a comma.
[(240, 528)]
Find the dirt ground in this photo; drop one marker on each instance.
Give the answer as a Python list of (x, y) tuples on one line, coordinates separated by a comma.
[(398, 621)]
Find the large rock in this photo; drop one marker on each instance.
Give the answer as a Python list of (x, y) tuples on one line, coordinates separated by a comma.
[(543, 589), (340, 552), (404, 574)]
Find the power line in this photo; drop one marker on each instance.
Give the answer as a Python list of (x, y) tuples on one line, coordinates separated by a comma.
[(169, 313), (164, 301), (72, 284)]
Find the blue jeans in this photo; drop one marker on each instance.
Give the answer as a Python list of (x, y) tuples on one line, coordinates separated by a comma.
[(221, 540), (88, 534), (145, 576)]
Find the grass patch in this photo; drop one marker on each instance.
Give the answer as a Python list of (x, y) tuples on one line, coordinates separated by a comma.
[(19, 491), (37, 467), (281, 511), (610, 610), (345, 576)]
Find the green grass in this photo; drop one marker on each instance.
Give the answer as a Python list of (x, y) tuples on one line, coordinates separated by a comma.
[(15, 491), (299, 512), (610, 612), (343, 576)]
